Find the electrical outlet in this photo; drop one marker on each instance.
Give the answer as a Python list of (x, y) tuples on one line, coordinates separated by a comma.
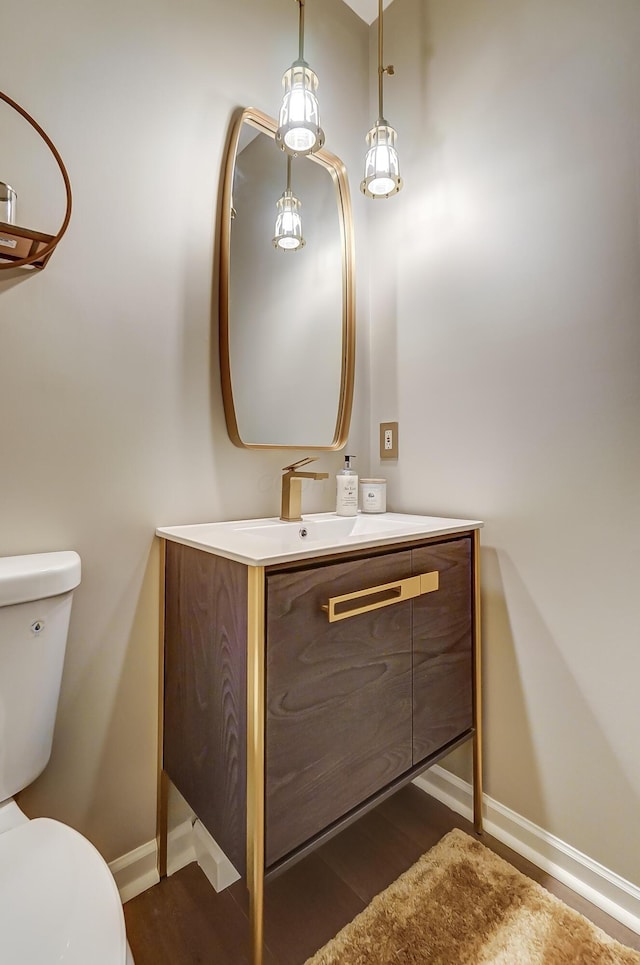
[(388, 440)]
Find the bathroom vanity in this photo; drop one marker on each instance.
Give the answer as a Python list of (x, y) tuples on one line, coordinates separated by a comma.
[(310, 670)]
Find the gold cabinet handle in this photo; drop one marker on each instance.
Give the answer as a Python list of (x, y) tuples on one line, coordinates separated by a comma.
[(375, 597)]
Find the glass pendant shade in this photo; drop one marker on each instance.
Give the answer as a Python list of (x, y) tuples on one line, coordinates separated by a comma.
[(288, 230), (381, 167), (299, 130)]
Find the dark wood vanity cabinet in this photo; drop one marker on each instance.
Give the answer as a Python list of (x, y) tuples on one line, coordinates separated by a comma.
[(353, 705), (298, 695), (359, 696)]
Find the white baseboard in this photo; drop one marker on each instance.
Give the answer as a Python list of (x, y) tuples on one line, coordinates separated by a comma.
[(136, 871), (602, 887), (212, 859), (180, 847)]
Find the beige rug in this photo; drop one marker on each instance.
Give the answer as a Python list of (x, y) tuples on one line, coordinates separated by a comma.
[(460, 904)]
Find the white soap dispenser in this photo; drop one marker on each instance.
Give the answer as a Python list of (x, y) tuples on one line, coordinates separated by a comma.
[(347, 490)]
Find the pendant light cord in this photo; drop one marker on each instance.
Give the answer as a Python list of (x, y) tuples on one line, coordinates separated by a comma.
[(380, 67), (301, 32), (49, 247), (381, 70)]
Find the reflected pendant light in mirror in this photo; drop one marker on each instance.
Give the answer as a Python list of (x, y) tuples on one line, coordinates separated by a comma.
[(299, 130), (288, 230), (381, 166)]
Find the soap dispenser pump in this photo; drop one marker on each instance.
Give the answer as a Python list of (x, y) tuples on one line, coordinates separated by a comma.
[(347, 490)]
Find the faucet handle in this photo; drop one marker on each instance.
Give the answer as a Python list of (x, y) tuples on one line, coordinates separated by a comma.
[(301, 462)]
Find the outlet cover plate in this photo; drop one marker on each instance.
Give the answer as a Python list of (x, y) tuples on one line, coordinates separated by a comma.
[(386, 451)]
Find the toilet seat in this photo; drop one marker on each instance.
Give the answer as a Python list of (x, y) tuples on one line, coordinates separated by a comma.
[(58, 899)]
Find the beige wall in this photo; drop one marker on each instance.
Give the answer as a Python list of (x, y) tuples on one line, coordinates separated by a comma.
[(109, 392), (506, 340)]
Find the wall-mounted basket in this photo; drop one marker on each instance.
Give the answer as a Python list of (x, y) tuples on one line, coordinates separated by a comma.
[(22, 247)]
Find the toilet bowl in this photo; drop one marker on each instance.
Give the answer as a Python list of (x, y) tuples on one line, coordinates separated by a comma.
[(58, 899)]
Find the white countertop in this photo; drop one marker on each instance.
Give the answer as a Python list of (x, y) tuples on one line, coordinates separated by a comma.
[(262, 542)]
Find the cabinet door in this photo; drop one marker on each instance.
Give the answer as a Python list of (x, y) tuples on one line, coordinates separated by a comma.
[(338, 699), (442, 648)]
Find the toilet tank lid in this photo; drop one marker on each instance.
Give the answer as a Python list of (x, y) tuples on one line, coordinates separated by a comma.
[(37, 576)]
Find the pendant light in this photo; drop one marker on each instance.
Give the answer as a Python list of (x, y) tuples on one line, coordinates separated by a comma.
[(288, 230), (381, 168), (299, 130)]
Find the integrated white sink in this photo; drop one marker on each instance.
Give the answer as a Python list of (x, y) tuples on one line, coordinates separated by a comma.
[(260, 542), (321, 527)]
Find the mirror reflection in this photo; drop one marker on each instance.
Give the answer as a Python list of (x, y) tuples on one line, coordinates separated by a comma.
[(287, 325)]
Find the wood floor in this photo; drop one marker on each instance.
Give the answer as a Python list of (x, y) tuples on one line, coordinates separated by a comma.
[(182, 921)]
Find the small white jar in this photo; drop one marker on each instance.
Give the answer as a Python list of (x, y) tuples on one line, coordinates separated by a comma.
[(373, 495)]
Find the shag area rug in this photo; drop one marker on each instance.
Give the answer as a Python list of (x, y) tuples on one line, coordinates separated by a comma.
[(461, 904)]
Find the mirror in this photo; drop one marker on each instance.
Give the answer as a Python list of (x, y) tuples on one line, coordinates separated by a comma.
[(287, 318)]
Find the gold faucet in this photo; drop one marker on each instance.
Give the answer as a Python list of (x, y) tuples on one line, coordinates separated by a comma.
[(292, 489)]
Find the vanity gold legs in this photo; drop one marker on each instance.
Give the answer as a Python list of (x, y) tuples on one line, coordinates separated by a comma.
[(255, 758), (477, 688), (162, 797)]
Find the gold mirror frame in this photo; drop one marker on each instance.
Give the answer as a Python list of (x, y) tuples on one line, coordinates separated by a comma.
[(267, 125)]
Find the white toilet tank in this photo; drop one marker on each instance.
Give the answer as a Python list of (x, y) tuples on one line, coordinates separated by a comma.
[(35, 606)]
